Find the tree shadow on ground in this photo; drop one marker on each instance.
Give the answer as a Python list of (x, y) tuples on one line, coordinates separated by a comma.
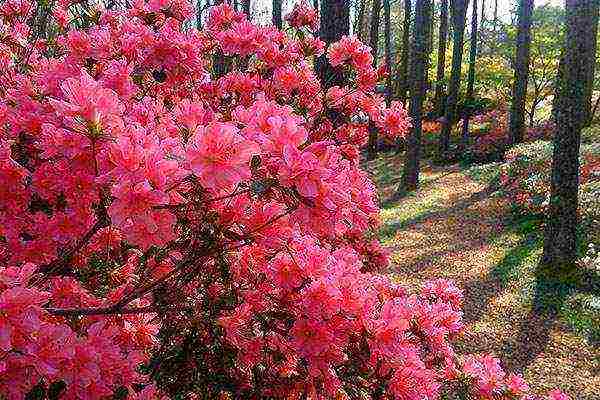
[(389, 229), (533, 332), (399, 193), (550, 292), (479, 293)]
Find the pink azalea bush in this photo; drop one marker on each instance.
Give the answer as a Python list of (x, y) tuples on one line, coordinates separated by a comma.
[(183, 215), (490, 132)]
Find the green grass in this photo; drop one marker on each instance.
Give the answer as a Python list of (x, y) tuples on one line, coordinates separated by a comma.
[(484, 173)]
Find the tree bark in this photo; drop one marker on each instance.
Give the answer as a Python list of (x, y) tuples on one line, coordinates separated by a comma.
[(418, 79), (560, 238), (470, 80), (277, 21), (458, 10), (246, 8), (199, 14), (441, 65), (482, 13), (359, 24), (590, 58), (388, 50), (517, 112), (374, 43), (403, 85), (335, 23)]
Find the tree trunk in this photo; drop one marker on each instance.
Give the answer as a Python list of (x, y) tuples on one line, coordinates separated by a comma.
[(560, 239), (277, 21), (482, 13), (374, 42), (495, 15), (246, 8), (388, 50), (418, 79), (335, 23), (441, 65), (403, 70), (590, 58), (360, 20), (470, 80), (517, 112), (458, 10), (199, 14)]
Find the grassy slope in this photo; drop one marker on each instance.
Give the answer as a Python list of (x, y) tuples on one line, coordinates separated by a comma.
[(456, 227)]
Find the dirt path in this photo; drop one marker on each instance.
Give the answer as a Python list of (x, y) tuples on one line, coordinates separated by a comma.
[(454, 227)]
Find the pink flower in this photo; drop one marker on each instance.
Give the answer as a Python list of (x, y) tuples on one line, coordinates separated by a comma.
[(516, 385), (220, 156), (303, 15), (87, 99), (556, 394)]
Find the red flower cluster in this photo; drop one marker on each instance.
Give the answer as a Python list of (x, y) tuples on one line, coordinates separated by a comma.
[(182, 213)]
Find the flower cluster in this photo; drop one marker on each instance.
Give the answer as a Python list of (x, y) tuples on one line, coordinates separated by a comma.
[(183, 213), (303, 15), (525, 177)]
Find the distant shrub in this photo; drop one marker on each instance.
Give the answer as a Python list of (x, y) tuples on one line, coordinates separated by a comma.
[(591, 134), (525, 178)]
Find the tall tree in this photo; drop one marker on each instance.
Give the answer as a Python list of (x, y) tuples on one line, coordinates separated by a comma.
[(360, 19), (590, 59), (471, 78), (403, 83), (199, 14), (374, 42), (458, 9), (441, 64), (517, 111), (277, 21), (560, 238), (418, 78), (482, 13), (335, 23), (246, 7), (388, 49)]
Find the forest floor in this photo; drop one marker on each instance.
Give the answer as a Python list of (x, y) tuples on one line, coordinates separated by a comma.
[(456, 227)]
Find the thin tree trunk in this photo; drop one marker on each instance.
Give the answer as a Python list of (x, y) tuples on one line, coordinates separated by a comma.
[(590, 58), (560, 239), (374, 42), (459, 13), (359, 25), (418, 78), (403, 70), (441, 65), (277, 21), (470, 79), (517, 112), (495, 15), (482, 13), (246, 7), (199, 14), (335, 23), (388, 50), (374, 32)]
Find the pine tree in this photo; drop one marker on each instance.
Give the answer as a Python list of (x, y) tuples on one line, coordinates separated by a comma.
[(418, 78), (458, 10), (517, 113), (560, 238)]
